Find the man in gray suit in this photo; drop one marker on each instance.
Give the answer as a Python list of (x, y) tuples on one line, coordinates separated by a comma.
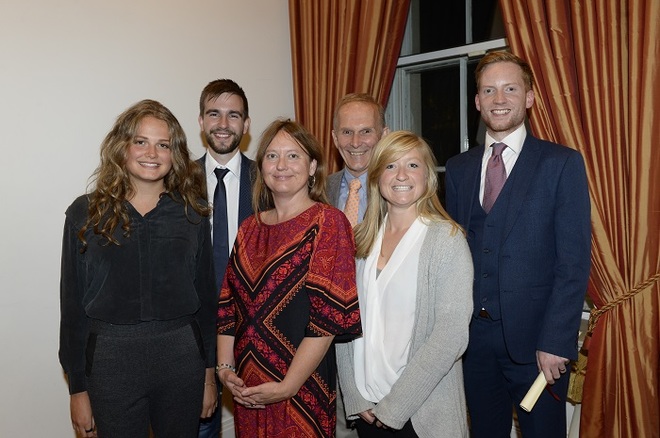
[(358, 124)]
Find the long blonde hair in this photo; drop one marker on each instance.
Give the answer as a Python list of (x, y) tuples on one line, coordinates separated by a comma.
[(389, 149)]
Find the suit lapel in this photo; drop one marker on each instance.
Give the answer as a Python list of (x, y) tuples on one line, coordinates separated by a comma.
[(334, 187), (522, 176), (245, 197), (470, 189), (202, 162)]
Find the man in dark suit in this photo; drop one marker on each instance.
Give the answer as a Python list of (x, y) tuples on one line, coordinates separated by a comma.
[(531, 251), (358, 124), (224, 119)]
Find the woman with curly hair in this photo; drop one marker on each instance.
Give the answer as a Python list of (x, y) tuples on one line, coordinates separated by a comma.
[(137, 286)]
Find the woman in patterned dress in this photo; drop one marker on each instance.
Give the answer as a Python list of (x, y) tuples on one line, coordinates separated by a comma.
[(289, 291)]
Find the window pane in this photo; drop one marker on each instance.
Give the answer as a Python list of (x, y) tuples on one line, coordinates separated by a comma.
[(440, 115), (440, 111), (487, 21), (476, 129), (440, 25)]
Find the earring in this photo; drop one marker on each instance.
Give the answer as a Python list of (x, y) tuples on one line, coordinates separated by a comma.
[(311, 181)]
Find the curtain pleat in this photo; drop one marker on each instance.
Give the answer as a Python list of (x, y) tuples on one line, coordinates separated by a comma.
[(340, 47), (596, 68)]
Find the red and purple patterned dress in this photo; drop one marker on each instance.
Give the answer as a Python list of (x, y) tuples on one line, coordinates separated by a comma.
[(285, 282)]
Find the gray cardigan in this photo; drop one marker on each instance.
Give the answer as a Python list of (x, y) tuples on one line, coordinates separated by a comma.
[(430, 389)]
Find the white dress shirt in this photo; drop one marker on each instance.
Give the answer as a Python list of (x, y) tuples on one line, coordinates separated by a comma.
[(514, 143), (232, 183)]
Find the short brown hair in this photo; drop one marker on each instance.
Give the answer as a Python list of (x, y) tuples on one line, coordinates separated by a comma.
[(503, 56), (221, 86)]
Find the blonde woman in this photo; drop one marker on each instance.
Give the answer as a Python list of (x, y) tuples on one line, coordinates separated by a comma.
[(403, 378)]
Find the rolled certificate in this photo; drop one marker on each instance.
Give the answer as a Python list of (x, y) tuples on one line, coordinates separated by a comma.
[(534, 393)]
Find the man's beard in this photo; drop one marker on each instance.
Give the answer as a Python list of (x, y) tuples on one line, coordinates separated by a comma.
[(220, 148)]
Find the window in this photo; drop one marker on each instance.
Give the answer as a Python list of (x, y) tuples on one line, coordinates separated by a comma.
[(433, 91)]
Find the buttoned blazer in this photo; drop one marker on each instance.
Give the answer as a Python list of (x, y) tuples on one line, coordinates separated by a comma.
[(543, 246)]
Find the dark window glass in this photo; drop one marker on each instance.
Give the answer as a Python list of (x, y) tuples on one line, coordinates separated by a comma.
[(440, 109), (441, 114), (440, 100), (476, 128), (442, 24), (487, 21)]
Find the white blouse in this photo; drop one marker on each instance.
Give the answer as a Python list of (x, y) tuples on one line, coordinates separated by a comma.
[(387, 309)]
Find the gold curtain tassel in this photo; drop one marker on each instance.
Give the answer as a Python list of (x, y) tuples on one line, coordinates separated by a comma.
[(579, 368)]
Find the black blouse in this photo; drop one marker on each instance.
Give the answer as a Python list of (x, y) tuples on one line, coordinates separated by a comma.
[(162, 271)]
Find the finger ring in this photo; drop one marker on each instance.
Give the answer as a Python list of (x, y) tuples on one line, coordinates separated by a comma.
[(562, 370), (89, 430)]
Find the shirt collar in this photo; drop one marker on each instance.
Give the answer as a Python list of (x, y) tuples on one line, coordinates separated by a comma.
[(513, 141), (234, 165), (348, 177)]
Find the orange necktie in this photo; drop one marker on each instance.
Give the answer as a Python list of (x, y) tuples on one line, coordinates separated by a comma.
[(353, 201)]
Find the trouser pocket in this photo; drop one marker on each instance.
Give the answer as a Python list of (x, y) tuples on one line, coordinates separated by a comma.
[(198, 338)]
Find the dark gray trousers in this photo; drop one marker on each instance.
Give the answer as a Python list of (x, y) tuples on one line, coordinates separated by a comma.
[(147, 374)]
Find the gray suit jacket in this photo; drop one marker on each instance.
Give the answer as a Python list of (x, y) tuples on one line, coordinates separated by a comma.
[(333, 187)]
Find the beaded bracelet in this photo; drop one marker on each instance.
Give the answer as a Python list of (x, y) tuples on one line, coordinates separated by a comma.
[(222, 366)]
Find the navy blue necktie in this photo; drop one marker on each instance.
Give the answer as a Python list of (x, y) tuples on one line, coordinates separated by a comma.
[(220, 237)]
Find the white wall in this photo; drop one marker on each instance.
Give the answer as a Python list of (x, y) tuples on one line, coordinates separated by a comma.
[(67, 69)]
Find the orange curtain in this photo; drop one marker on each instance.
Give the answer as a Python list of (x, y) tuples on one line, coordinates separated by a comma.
[(340, 47), (596, 68)]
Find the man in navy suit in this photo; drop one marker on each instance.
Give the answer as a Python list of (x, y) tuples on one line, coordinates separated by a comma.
[(224, 119), (531, 253)]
